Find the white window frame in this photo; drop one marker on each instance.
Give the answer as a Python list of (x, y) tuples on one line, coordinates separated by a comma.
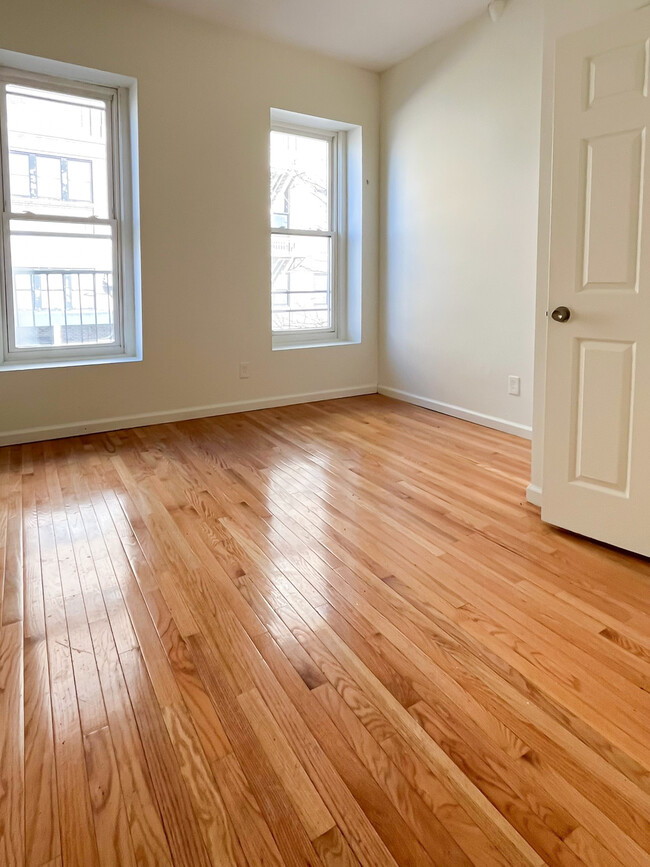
[(120, 153), (336, 232)]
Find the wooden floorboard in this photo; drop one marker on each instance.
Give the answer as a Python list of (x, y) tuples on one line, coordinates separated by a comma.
[(332, 635)]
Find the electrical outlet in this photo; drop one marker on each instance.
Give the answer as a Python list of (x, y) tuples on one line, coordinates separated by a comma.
[(514, 385), (244, 369)]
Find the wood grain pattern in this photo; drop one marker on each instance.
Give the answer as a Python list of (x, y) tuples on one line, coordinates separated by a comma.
[(12, 841), (307, 803), (332, 635), (111, 826)]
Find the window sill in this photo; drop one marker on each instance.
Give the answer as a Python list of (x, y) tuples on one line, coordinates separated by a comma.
[(314, 344), (68, 362)]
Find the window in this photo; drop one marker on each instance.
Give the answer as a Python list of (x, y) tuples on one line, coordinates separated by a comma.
[(49, 176), (68, 276), (306, 237)]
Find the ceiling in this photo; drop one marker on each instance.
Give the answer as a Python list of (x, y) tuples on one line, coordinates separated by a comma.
[(374, 34)]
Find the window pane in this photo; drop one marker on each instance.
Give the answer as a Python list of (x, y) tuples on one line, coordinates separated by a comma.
[(59, 154), (63, 289), (19, 171), (301, 298), (48, 178), (80, 181), (300, 179)]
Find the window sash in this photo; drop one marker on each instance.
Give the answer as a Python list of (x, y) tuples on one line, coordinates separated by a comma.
[(292, 335), (110, 97)]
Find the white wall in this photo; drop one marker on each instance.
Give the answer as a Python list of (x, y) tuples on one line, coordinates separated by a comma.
[(204, 100), (560, 17), (460, 166)]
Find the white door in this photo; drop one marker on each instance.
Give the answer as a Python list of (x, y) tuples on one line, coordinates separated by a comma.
[(597, 428)]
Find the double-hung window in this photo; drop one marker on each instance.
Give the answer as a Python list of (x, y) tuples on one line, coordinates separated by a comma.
[(67, 282), (306, 237)]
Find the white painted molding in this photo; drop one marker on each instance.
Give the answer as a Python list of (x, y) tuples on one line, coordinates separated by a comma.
[(35, 434), (534, 495), (501, 424)]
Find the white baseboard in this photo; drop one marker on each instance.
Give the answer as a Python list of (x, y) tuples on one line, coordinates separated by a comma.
[(534, 495), (29, 435), (501, 424)]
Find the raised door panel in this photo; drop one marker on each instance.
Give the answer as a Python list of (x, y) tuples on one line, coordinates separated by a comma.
[(619, 72), (605, 391), (614, 169)]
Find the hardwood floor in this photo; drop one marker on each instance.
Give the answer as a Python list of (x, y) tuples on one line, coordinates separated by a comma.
[(331, 634)]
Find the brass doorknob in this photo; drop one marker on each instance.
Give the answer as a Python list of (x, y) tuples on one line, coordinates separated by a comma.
[(561, 314)]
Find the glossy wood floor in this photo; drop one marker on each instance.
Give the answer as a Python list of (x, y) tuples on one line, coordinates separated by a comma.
[(331, 634)]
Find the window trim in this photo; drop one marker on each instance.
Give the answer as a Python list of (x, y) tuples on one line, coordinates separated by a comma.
[(336, 233), (121, 219)]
